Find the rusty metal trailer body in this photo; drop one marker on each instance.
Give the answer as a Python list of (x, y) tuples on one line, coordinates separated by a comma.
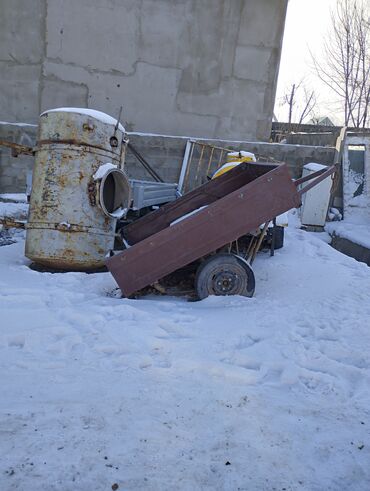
[(234, 204)]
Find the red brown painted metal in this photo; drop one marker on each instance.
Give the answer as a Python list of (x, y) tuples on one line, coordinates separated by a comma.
[(201, 196), (223, 221), (315, 178)]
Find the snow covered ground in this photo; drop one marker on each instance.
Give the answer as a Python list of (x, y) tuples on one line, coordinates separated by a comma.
[(355, 227), (268, 393)]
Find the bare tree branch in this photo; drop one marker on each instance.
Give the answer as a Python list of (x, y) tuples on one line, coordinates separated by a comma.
[(346, 65), (300, 102)]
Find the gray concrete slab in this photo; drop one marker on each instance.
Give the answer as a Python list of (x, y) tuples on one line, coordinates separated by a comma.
[(207, 69)]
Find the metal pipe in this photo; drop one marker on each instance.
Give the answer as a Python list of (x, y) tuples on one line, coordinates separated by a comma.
[(316, 180), (144, 163)]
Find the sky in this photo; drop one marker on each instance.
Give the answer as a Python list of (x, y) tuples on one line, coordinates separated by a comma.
[(306, 26)]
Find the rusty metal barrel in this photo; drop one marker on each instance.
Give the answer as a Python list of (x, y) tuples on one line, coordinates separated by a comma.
[(79, 189)]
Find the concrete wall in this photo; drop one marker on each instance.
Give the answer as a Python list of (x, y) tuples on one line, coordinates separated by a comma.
[(165, 154), (182, 67), (13, 171)]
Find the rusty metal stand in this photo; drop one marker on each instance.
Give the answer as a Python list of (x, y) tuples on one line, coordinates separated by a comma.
[(272, 247), (257, 244)]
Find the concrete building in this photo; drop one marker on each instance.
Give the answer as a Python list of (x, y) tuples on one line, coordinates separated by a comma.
[(204, 68)]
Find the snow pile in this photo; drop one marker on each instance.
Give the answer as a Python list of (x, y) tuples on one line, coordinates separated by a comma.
[(334, 215), (14, 197), (355, 227), (271, 392), (16, 211), (13, 207), (100, 116)]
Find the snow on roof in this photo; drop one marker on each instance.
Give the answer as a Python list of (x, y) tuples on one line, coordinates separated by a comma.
[(100, 116)]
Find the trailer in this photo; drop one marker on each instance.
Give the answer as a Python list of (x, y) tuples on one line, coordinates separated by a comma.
[(200, 228)]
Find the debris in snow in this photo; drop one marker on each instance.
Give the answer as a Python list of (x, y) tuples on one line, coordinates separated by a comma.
[(103, 169), (104, 118)]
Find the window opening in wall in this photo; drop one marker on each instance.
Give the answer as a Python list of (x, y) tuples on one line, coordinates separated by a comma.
[(356, 168)]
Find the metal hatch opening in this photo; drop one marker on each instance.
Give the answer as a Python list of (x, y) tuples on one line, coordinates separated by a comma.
[(114, 193)]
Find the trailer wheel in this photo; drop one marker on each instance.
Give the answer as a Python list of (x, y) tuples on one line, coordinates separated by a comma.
[(224, 274)]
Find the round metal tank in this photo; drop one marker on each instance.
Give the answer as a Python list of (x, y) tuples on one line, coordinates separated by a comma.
[(79, 189)]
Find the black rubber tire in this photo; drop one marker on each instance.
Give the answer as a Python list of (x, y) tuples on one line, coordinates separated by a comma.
[(224, 274)]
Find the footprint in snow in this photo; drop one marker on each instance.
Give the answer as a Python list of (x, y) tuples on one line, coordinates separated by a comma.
[(247, 342), (16, 341), (318, 383), (161, 357), (93, 422), (272, 376), (237, 359), (158, 357), (171, 330)]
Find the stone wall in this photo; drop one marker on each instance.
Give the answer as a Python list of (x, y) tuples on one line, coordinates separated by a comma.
[(206, 68)]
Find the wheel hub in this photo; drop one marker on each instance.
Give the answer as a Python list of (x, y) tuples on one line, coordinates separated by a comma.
[(224, 282), (224, 274)]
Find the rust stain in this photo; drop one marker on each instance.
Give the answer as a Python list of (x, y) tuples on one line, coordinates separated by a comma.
[(64, 231), (88, 127), (91, 191), (69, 141), (17, 149), (62, 180)]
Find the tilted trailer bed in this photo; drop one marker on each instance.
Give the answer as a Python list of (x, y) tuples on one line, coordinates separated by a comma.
[(200, 224)]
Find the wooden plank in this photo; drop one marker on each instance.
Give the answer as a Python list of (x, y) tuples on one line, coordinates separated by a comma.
[(221, 222)]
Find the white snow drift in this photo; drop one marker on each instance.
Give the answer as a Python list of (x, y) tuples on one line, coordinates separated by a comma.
[(161, 394)]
